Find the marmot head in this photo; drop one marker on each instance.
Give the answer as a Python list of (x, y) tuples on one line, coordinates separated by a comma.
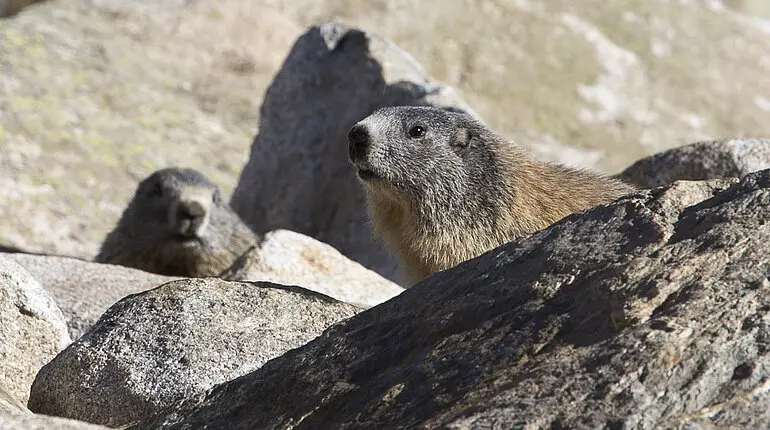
[(177, 224), (175, 204), (443, 160)]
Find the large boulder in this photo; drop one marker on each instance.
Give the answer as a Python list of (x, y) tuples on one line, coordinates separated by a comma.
[(82, 289), (298, 176), (650, 312), (153, 349), (32, 329), (701, 160)]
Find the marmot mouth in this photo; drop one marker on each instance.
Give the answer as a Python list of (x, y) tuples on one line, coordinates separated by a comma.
[(188, 241)]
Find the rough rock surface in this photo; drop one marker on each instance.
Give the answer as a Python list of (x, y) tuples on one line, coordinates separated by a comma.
[(298, 176), (290, 258), (651, 312), (32, 329), (43, 422), (84, 290), (155, 348), (698, 161)]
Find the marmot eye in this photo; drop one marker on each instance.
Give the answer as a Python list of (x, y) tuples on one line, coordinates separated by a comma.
[(417, 132)]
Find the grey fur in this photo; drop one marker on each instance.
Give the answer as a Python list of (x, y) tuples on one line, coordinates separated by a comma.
[(461, 189), (177, 224)]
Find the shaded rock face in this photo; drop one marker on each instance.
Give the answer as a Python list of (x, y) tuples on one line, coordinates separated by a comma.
[(32, 329), (153, 349), (83, 289), (290, 258), (701, 160), (651, 312), (298, 176)]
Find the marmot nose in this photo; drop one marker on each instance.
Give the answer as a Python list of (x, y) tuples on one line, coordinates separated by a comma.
[(190, 217), (358, 141), (190, 210)]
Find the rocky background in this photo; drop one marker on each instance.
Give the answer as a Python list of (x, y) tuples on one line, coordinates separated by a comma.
[(651, 312)]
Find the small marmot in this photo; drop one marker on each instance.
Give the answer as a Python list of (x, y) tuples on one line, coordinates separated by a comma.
[(442, 188), (177, 224)]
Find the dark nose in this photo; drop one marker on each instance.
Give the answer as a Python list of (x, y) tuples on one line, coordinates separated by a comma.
[(358, 141), (191, 210), (189, 218)]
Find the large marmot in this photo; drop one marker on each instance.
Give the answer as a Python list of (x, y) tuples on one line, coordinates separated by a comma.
[(177, 224), (442, 188)]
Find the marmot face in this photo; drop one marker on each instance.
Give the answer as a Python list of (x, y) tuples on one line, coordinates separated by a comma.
[(438, 158), (175, 205), (177, 224)]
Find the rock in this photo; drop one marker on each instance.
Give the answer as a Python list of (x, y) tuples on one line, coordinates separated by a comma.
[(651, 312), (298, 176), (290, 258), (698, 161), (43, 422), (32, 329), (9, 404), (155, 348), (84, 290)]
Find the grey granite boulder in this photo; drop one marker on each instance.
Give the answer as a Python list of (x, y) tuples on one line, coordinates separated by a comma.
[(650, 312), (298, 176), (701, 160), (152, 349), (32, 329)]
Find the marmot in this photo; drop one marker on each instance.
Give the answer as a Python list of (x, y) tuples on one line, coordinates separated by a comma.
[(177, 224), (442, 188)]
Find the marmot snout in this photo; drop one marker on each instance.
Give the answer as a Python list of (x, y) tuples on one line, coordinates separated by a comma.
[(442, 188)]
